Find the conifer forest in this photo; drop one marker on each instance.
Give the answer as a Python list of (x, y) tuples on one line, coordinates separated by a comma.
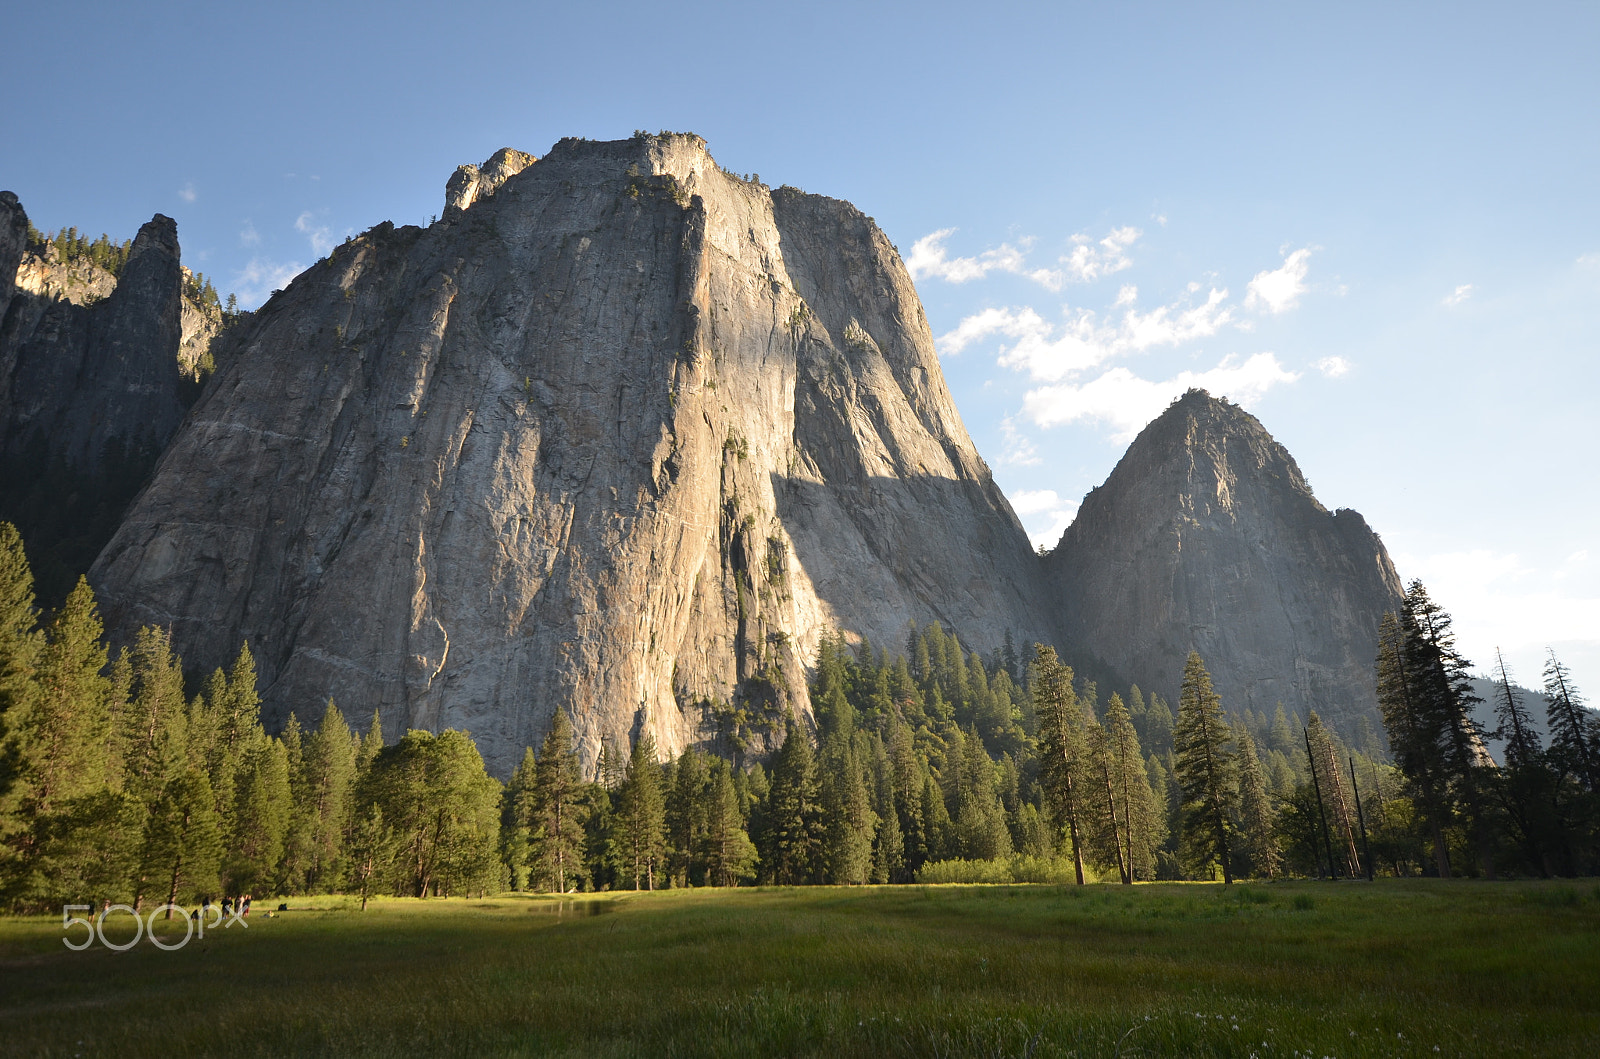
[(930, 762)]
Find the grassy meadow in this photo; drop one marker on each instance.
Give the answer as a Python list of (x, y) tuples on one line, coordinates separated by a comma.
[(1397, 969)]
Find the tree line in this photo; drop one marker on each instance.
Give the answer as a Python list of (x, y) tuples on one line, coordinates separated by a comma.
[(1535, 812), (119, 783), (73, 245)]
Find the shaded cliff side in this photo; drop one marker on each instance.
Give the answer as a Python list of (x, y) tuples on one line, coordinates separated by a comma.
[(1207, 537), (90, 388), (621, 434)]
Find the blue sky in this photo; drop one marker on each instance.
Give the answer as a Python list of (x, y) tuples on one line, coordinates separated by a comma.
[(1375, 225)]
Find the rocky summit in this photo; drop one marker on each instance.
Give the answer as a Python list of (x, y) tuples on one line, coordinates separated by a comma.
[(1207, 537), (621, 434)]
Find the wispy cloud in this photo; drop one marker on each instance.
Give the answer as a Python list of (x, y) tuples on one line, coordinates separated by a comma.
[(1090, 260), (187, 192), (320, 236), (248, 236), (1125, 402), (1334, 367), (1050, 352), (1018, 450), (1279, 290), (1459, 295), (259, 278), (930, 260)]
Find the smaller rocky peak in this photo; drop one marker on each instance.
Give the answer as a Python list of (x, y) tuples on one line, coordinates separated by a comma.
[(471, 183), (1215, 438)]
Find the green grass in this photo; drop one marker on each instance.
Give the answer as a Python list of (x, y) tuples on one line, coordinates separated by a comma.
[(1396, 969)]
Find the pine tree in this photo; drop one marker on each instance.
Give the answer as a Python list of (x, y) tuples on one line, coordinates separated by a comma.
[(298, 855), (19, 636), (888, 844), (1137, 824), (641, 812), (1105, 815), (183, 847), (371, 745), (156, 718), (1414, 737), (62, 730), (517, 813), (847, 819), (790, 842), (1427, 693), (1527, 789), (1258, 818), (1206, 769), (330, 771), (1574, 728), (1516, 730), (1063, 751), (260, 817), (557, 831), (727, 851), (1336, 796)]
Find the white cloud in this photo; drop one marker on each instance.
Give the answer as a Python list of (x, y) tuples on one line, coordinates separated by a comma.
[(259, 278), (187, 193), (321, 238), (1333, 367), (1049, 353), (1459, 295), (1579, 556), (1034, 501), (1044, 514), (1589, 260), (1125, 402), (1091, 260), (248, 236), (930, 259), (1279, 290)]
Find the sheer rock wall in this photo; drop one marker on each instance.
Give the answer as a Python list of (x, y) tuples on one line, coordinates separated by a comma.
[(623, 437)]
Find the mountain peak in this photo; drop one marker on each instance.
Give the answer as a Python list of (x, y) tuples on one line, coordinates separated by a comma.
[(1206, 536)]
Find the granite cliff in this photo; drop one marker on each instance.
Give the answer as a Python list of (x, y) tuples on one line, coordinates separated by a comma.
[(621, 434), (1207, 537), (91, 385)]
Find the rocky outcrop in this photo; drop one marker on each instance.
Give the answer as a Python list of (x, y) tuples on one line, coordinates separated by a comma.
[(470, 183), (80, 373), (1207, 537), (90, 388), (624, 438)]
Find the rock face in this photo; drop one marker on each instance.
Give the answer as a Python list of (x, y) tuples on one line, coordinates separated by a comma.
[(77, 373), (1207, 537), (90, 388), (622, 434)]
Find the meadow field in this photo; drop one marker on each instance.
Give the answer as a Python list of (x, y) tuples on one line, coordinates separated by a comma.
[(1400, 968)]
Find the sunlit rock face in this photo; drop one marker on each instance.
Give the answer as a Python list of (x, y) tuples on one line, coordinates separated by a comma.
[(622, 434), (1207, 537)]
